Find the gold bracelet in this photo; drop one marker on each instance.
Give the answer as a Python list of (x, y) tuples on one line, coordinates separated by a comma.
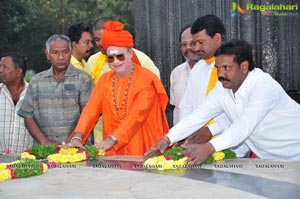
[(76, 137)]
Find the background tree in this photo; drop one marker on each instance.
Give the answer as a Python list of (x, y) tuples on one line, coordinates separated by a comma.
[(25, 25)]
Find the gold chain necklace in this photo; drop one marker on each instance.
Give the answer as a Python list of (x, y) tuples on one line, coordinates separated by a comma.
[(125, 99)]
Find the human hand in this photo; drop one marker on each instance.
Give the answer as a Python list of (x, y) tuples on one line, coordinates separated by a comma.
[(47, 142), (76, 141), (201, 136), (160, 147), (105, 144), (198, 153), (179, 143)]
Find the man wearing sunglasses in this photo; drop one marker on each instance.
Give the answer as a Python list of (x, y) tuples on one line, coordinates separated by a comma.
[(97, 65), (130, 98)]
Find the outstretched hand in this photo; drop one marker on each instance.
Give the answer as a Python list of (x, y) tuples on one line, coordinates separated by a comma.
[(201, 136), (157, 149), (105, 144), (73, 143), (198, 153)]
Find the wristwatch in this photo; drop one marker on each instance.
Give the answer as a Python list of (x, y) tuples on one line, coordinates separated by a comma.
[(113, 138)]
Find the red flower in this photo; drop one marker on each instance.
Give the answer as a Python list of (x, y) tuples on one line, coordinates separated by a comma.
[(12, 173), (168, 157), (6, 151), (28, 151), (51, 165), (57, 149)]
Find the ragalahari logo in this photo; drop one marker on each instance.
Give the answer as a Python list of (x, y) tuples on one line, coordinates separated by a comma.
[(236, 10)]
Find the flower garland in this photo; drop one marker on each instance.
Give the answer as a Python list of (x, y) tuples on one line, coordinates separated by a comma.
[(29, 166), (171, 160), (21, 169), (56, 155)]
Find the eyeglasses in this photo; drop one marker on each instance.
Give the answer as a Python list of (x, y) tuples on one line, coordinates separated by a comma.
[(111, 58), (186, 44)]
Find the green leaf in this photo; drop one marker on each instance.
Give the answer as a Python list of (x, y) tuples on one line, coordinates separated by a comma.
[(27, 168), (173, 153), (93, 152), (42, 151)]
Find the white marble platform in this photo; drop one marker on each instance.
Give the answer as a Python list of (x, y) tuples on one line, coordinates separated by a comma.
[(95, 182)]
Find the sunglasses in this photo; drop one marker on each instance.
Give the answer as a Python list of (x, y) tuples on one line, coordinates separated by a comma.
[(111, 58)]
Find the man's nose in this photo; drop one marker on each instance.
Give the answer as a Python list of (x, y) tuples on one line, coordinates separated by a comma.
[(221, 73)]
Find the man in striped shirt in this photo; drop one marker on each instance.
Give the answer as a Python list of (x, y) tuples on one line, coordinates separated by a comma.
[(55, 98), (13, 134)]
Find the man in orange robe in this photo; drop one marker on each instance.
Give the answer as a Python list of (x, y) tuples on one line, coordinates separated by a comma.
[(131, 99)]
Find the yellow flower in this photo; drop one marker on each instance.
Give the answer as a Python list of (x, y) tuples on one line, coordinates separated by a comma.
[(69, 151), (14, 162), (5, 175), (2, 166), (77, 157), (181, 162), (155, 160), (167, 164), (45, 167), (101, 152), (26, 155), (162, 164), (59, 158), (218, 155)]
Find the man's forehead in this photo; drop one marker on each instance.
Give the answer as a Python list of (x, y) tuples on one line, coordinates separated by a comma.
[(114, 51), (200, 34), (225, 58), (7, 58)]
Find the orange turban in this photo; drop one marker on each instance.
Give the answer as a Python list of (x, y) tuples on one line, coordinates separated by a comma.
[(114, 35)]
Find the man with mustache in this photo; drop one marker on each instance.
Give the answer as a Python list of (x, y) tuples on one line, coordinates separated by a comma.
[(55, 98), (207, 32), (13, 134), (180, 74), (261, 114), (81, 39)]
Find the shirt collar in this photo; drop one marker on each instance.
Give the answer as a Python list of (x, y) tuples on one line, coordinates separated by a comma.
[(242, 91), (71, 71), (79, 64)]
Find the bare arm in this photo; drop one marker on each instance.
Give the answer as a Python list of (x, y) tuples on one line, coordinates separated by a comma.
[(36, 132)]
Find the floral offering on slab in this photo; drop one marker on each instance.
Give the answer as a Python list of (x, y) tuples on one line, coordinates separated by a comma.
[(171, 160), (21, 169), (62, 155)]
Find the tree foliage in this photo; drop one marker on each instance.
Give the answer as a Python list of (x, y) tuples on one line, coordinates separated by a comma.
[(25, 25)]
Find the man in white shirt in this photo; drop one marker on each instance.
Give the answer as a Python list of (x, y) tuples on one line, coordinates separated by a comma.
[(207, 33), (180, 74), (260, 111), (13, 134)]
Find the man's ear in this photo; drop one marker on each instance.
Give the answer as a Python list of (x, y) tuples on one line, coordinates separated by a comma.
[(46, 53), (74, 44), (245, 66), (19, 72), (131, 52), (218, 38)]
